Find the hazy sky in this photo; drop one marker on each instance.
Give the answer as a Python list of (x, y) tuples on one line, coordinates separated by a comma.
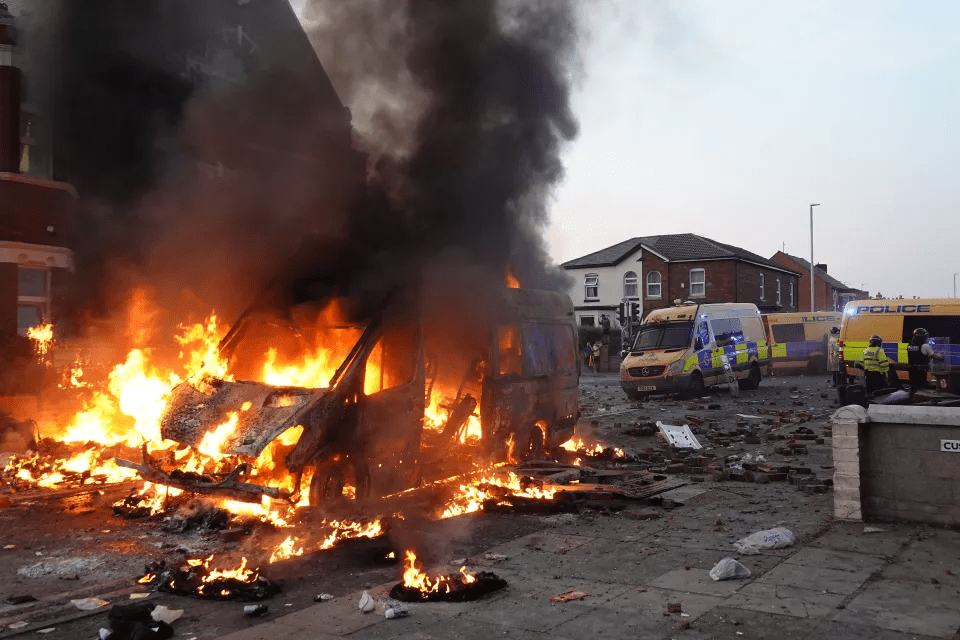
[(729, 118)]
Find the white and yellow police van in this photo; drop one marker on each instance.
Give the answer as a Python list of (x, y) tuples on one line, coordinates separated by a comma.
[(895, 321), (800, 340), (681, 349)]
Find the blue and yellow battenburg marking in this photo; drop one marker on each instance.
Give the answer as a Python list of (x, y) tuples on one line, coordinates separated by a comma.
[(736, 354), (897, 351)]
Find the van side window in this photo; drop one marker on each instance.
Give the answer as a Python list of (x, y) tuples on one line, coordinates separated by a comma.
[(548, 348), (509, 351), (938, 326), (788, 333), (727, 331)]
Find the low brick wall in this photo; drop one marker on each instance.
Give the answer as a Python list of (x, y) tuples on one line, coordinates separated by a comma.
[(889, 464)]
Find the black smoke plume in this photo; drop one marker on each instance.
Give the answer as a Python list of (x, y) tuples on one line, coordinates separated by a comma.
[(216, 162)]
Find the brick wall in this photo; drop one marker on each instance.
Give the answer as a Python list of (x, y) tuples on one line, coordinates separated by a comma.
[(748, 287), (889, 465), (720, 281), (653, 263)]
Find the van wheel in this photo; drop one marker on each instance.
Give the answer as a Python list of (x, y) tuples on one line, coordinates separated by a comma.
[(752, 381), (636, 396), (816, 366), (329, 480), (696, 388)]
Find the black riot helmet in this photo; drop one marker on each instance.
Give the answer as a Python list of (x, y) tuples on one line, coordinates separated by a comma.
[(875, 341), (920, 335)]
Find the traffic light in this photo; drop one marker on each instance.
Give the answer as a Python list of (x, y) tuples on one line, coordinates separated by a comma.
[(635, 312), (621, 313)]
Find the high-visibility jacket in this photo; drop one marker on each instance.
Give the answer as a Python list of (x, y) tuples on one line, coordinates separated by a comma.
[(874, 359)]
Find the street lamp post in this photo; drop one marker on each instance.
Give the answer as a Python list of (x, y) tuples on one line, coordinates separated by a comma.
[(812, 304), (955, 284)]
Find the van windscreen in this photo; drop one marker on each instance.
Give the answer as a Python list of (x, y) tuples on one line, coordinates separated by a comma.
[(664, 335)]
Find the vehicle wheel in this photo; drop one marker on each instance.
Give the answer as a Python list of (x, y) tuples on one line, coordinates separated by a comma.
[(529, 445), (816, 366), (696, 388), (752, 381), (327, 484)]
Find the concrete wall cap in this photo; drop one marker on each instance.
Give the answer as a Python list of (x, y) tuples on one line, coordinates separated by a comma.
[(900, 414), (851, 413)]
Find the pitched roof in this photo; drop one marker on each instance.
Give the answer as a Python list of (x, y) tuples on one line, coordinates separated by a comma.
[(674, 247), (606, 257), (820, 273)]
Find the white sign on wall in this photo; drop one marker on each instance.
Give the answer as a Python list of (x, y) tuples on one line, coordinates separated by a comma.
[(950, 446)]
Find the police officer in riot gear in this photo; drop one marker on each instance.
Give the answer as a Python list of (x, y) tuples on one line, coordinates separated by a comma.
[(919, 354), (875, 365)]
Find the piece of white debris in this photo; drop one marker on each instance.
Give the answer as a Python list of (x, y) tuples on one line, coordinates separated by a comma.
[(139, 596), (367, 603), (873, 530), (89, 604), (162, 614), (496, 557), (18, 625), (10, 546), (47, 630), (459, 562)]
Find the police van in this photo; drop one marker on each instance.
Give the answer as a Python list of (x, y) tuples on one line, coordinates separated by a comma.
[(895, 321), (682, 349), (800, 340)]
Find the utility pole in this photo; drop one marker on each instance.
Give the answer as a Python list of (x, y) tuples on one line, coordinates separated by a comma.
[(812, 304)]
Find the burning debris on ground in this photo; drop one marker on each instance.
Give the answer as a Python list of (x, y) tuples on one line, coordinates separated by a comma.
[(463, 586), (196, 578)]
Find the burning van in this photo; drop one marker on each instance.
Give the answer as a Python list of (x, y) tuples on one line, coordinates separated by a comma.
[(310, 403)]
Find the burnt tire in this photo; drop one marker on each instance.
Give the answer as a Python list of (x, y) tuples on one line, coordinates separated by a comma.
[(327, 485), (752, 381), (329, 480), (696, 388)]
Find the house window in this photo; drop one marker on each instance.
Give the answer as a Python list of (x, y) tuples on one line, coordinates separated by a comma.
[(591, 287), (778, 290), (763, 284), (698, 283), (588, 321), (630, 285), (653, 284), (791, 294), (33, 297)]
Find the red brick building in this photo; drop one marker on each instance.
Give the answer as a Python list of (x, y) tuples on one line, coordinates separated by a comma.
[(37, 214), (829, 293), (658, 271)]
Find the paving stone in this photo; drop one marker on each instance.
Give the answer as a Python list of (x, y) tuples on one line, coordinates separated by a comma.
[(922, 560), (911, 607), (724, 623), (654, 602), (849, 536), (850, 631), (532, 614), (695, 581), (840, 560), (816, 578), (790, 601), (331, 619)]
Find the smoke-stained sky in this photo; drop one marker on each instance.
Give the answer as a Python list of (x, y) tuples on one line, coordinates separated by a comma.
[(728, 119)]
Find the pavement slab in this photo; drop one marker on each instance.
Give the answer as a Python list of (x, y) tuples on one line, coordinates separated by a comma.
[(816, 578), (839, 560), (724, 623), (849, 536), (653, 602), (849, 631), (911, 607), (696, 581), (923, 560), (524, 612), (789, 601)]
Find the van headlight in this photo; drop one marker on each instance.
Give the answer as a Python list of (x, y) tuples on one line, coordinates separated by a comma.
[(675, 367)]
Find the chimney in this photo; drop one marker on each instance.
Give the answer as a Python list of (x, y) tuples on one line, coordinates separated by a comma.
[(10, 87), (822, 267)]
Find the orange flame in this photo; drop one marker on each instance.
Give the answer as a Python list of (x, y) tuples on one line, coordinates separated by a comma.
[(471, 497), (42, 336), (414, 578)]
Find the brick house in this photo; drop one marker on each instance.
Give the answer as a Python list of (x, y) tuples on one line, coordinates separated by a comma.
[(38, 213), (658, 271), (829, 293)]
